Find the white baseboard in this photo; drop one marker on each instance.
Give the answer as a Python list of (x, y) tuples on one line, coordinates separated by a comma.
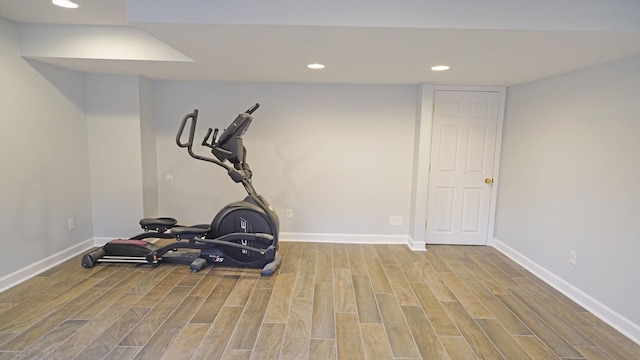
[(330, 238), (617, 321), (417, 245), (347, 238), (47, 263)]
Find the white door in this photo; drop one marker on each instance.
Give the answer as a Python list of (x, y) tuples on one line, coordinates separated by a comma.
[(461, 167)]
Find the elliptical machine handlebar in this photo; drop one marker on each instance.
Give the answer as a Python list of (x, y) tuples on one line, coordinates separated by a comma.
[(252, 109), (192, 131), (189, 144)]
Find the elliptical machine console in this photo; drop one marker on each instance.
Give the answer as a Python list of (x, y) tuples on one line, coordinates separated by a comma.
[(243, 233)]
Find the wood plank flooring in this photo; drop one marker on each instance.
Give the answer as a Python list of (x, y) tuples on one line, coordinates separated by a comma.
[(327, 301)]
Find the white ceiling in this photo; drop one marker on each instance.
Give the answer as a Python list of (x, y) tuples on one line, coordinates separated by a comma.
[(227, 41)]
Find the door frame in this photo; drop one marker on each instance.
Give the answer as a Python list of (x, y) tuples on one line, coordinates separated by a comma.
[(422, 152)]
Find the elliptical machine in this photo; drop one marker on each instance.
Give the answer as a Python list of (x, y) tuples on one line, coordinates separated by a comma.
[(243, 233)]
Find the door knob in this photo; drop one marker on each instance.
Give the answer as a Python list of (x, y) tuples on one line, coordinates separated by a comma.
[(488, 181)]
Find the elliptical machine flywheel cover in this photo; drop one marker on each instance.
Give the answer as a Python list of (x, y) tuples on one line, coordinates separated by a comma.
[(239, 218)]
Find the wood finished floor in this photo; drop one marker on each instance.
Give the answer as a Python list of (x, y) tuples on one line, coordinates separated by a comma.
[(327, 301)]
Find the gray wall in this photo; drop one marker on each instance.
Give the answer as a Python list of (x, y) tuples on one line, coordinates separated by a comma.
[(44, 158), (148, 148), (122, 144), (339, 156), (115, 145), (569, 180)]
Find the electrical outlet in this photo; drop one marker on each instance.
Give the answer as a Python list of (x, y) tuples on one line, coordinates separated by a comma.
[(289, 214), (72, 224), (395, 220), (573, 257)]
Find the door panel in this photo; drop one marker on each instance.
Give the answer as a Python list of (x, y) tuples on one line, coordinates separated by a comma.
[(449, 144), (462, 155), (445, 202)]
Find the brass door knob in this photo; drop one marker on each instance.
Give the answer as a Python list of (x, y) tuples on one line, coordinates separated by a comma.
[(488, 181)]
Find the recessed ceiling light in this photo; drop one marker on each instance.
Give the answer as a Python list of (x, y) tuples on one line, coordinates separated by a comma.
[(65, 4), (315, 66), (439, 68)]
